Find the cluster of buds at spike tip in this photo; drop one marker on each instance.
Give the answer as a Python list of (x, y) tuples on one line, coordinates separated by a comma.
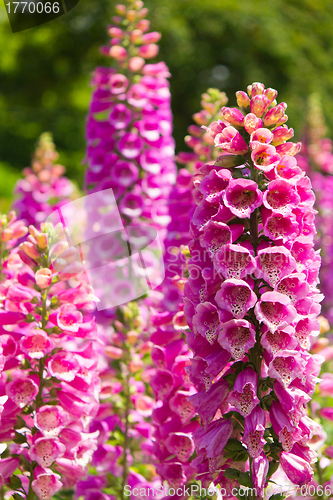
[(130, 146), (251, 300), (44, 187), (201, 142), (49, 378)]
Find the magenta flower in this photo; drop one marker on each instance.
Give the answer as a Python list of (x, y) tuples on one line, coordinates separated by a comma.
[(50, 420), (265, 157), (242, 197), (244, 396), (22, 391), (254, 431), (230, 141), (236, 296), (296, 468), (237, 336), (46, 450), (46, 483)]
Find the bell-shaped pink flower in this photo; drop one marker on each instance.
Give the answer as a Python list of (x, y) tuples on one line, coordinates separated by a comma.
[(288, 434), (298, 470), (281, 197), (274, 263), (206, 321), (237, 337), (244, 395), (234, 261), (206, 403), (233, 115), (63, 366), (130, 145), (118, 83), (280, 227), (181, 445), (36, 344), (43, 278), (279, 340), (259, 104), (236, 296), (286, 367), (275, 310), (259, 474), (252, 123), (276, 115), (22, 391), (50, 420), (46, 450), (254, 428), (230, 141), (46, 483), (120, 116), (260, 136), (67, 317), (265, 157), (213, 440), (242, 197)]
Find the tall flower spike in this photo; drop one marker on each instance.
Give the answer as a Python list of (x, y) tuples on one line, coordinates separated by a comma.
[(316, 159), (252, 302), (44, 187), (50, 377), (130, 150)]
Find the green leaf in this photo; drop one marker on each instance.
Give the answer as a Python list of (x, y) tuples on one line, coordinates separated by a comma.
[(15, 483), (277, 496), (232, 473), (245, 480), (234, 445), (20, 422), (273, 467), (19, 438)]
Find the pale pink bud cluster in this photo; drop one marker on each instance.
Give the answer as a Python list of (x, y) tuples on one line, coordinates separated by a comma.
[(251, 300), (44, 187), (49, 366)]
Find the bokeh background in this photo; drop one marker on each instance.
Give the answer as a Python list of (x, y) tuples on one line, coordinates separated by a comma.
[(45, 71)]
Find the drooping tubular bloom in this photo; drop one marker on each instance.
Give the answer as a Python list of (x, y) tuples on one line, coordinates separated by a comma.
[(44, 187), (251, 300)]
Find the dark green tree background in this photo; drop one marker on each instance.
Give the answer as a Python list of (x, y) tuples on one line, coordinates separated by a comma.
[(45, 71)]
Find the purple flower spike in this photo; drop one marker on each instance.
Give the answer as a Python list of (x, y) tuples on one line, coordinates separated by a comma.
[(242, 197), (237, 297), (253, 272)]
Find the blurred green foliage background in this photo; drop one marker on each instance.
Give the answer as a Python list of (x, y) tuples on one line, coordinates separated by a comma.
[(45, 71)]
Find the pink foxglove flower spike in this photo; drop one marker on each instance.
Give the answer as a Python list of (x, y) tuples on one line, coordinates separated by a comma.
[(253, 302)]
